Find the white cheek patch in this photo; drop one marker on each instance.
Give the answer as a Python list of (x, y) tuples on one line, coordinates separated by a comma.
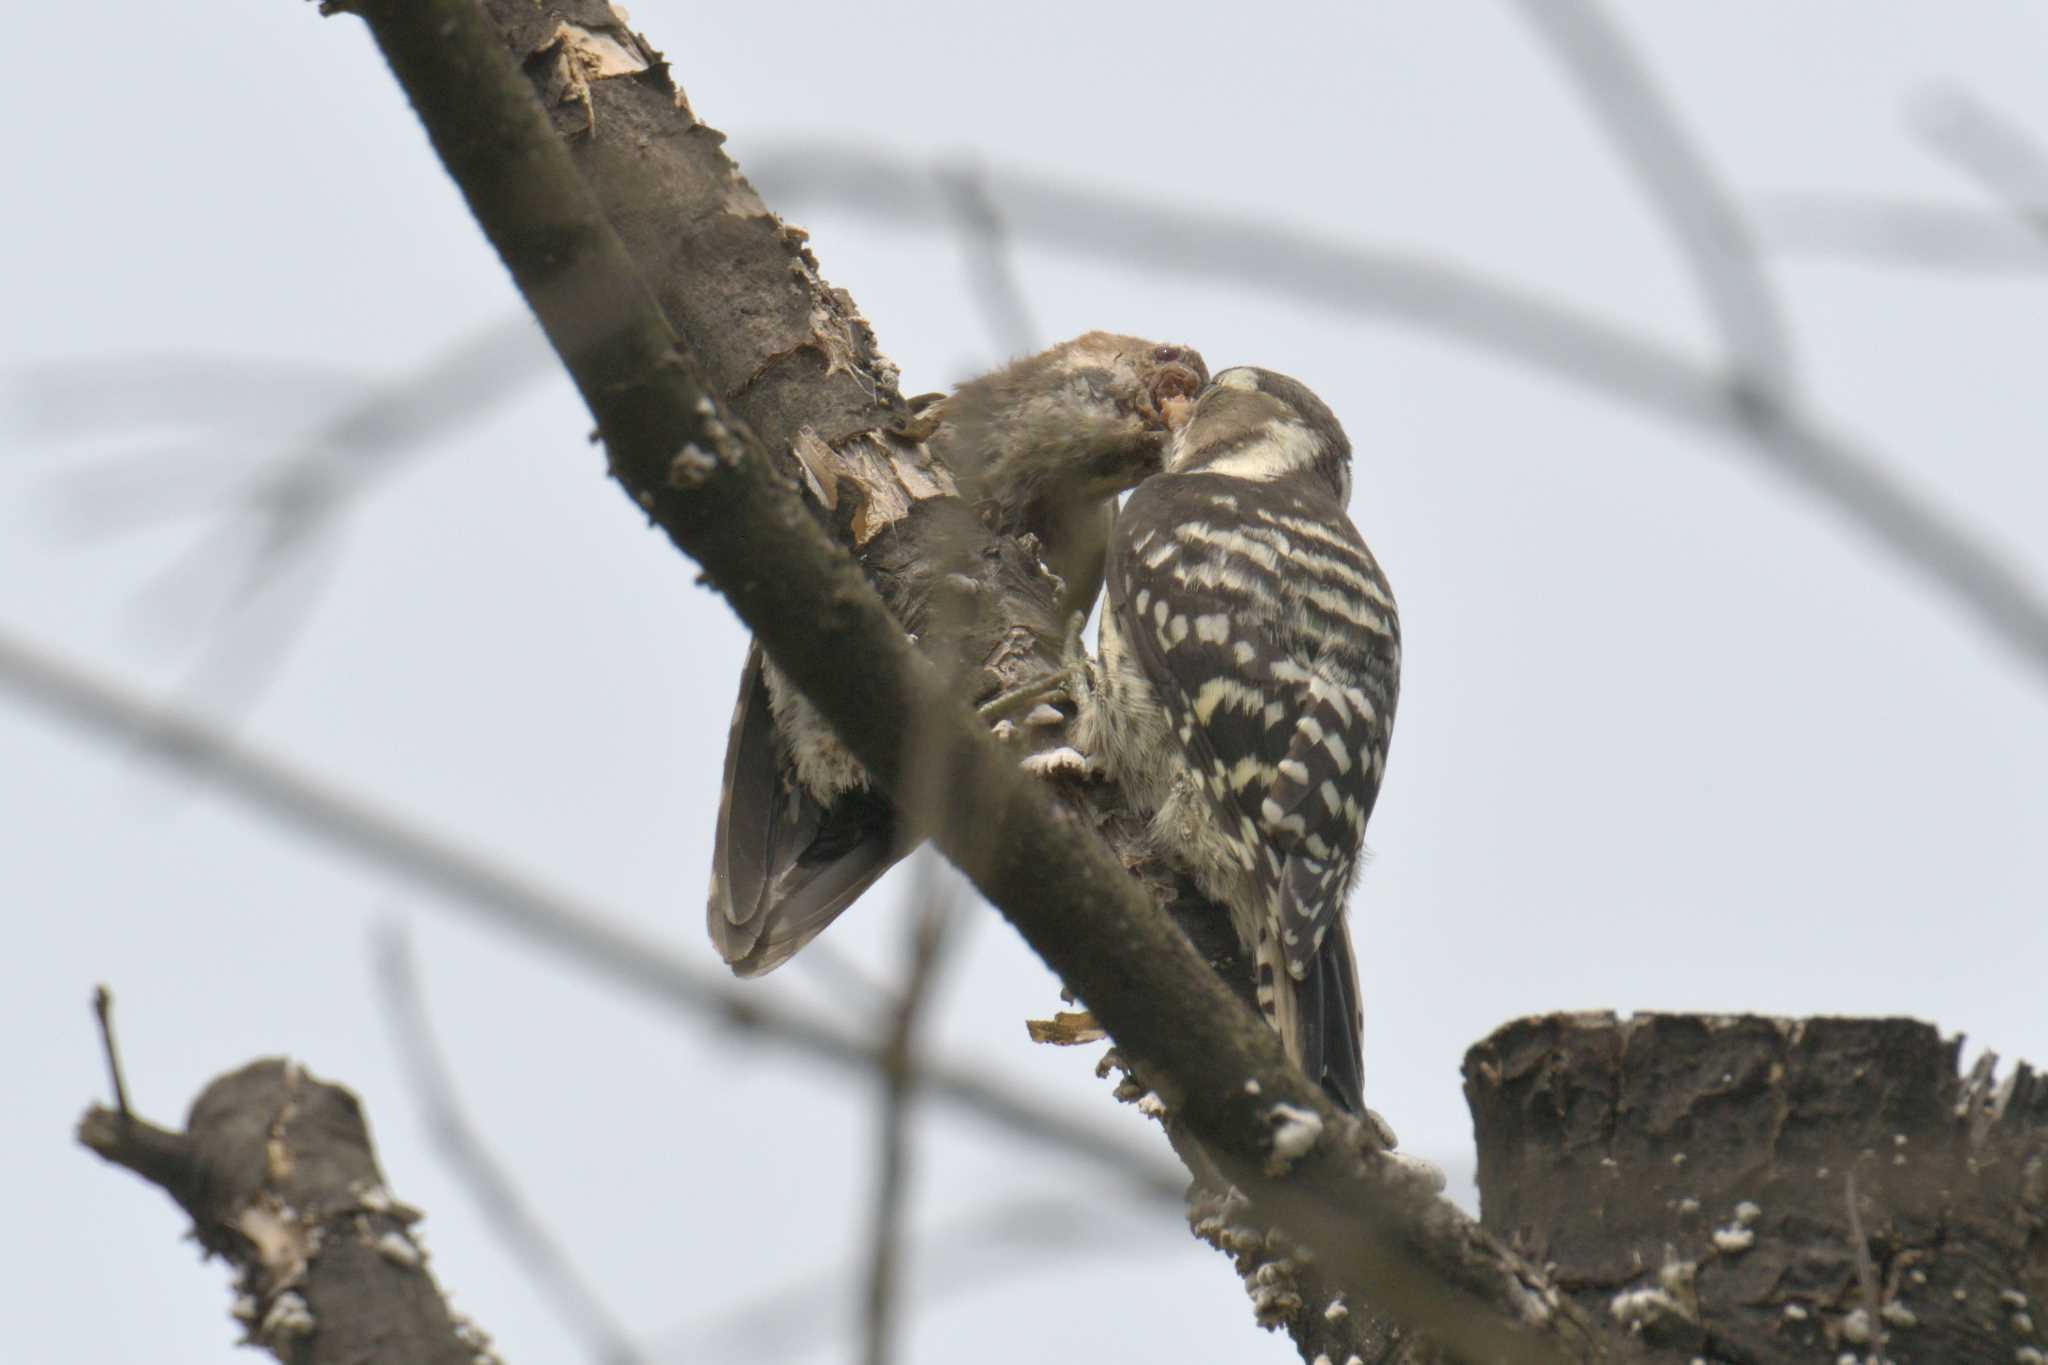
[(1285, 448)]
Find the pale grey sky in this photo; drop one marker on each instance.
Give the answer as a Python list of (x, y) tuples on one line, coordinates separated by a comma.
[(1672, 735)]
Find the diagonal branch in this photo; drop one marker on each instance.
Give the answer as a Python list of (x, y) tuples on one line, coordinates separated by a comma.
[(1846, 476), (460, 879), (711, 487), (491, 1187), (1700, 213), (928, 942), (2003, 157)]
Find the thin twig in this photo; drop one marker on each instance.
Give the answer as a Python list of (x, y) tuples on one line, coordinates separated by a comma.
[(491, 1189), (2000, 155), (1845, 476), (506, 901), (836, 970), (995, 1244), (1901, 232), (1866, 1270), (103, 1010), (1700, 214), (935, 901), (991, 267)]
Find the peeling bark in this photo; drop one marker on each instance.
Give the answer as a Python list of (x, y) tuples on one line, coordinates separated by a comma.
[(276, 1172)]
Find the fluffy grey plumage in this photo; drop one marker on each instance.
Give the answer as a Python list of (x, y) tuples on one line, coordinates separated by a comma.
[(1039, 447), (1250, 662)]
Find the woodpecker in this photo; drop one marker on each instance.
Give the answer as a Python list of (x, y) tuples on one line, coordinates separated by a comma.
[(1039, 448), (1244, 692)]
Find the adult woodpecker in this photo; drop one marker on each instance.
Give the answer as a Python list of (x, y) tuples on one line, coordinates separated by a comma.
[(1244, 695), (1041, 448)]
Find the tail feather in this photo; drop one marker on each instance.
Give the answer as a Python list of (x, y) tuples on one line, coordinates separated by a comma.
[(1318, 1014), (784, 866)]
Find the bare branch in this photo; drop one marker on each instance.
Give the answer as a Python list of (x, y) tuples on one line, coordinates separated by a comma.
[(936, 910), (461, 879), (276, 1172), (992, 1244), (1700, 214), (1897, 232), (2003, 157), (1216, 1065), (491, 1188), (991, 270), (103, 1010), (1845, 476)]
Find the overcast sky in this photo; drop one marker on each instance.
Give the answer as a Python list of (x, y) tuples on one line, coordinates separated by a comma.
[(1672, 735)]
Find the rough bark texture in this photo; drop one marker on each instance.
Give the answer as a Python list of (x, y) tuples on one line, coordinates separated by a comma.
[(1694, 1175), (276, 1172), (692, 464), (777, 345)]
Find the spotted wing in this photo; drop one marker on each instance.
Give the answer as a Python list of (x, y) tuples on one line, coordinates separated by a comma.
[(1269, 635)]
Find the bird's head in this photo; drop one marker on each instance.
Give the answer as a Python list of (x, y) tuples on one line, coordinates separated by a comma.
[(1256, 424)]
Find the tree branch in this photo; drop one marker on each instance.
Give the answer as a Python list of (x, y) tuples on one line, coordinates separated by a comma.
[(1844, 475), (491, 1188), (463, 880), (276, 1172), (1701, 215), (700, 476)]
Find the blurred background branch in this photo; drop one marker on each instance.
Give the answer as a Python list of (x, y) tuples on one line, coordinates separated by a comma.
[(1700, 214), (508, 902), (492, 1189)]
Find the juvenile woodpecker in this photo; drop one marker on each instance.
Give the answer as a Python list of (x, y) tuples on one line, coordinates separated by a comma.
[(1039, 447), (1244, 695)]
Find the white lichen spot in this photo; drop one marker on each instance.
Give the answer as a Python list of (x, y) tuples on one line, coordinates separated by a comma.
[(1634, 1307), (1295, 1131), (2012, 1298), (1856, 1326), (243, 1309), (1423, 1172), (2023, 1324), (1251, 1086), (397, 1248), (1353, 1360), (1320, 1360), (690, 468), (1151, 1106), (288, 1317), (1688, 1205), (375, 1199), (1336, 1312), (2029, 1355), (1794, 1313), (1678, 1158), (1733, 1241), (1004, 731), (1043, 715), (1898, 1315), (1738, 1236)]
